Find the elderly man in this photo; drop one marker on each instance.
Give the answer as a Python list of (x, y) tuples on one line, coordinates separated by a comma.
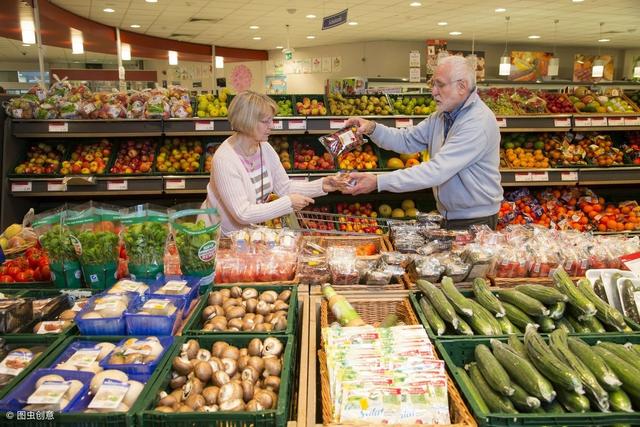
[(463, 140)]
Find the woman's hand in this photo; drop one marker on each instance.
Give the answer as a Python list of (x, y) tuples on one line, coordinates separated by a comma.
[(336, 182), (299, 202)]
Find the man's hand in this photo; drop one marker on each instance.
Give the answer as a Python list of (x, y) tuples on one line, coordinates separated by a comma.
[(364, 183), (339, 181), (365, 127)]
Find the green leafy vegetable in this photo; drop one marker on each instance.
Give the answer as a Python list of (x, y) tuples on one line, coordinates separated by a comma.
[(58, 244), (197, 245), (145, 242), (98, 247)]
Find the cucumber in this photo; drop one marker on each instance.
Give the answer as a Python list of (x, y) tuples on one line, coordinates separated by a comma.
[(634, 348), (507, 327), (459, 302), (628, 301), (439, 301), (492, 371), (545, 294), (517, 316), (577, 326), (554, 408), (487, 299), (629, 375), (539, 410), (463, 327), (566, 325), (474, 394), (594, 325), (605, 312), (530, 306), (560, 347), (435, 322), (573, 402), (522, 372), (605, 376), (576, 313), (521, 399), (546, 323), (549, 365), (483, 321), (494, 401), (516, 345), (598, 288), (619, 401), (621, 351), (556, 311), (576, 298)]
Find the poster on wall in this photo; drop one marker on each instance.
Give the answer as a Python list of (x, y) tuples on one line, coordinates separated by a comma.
[(241, 78), (316, 65), (326, 64), (306, 66), (582, 65), (336, 64), (275, 85), (346, 86), (480, 62), (435, 48), (529, 66)]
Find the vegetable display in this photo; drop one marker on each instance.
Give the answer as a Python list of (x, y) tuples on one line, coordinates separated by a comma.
[(196, 241), (145, 237)]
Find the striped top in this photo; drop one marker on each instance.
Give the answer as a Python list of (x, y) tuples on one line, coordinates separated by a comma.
[(258, 174)]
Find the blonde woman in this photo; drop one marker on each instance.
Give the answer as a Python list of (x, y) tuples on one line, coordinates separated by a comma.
[(246, 169)]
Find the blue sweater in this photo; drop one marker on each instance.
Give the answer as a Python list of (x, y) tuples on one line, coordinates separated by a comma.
[(463, 169)]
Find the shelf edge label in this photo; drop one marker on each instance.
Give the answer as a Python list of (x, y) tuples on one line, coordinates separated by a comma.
[(632, 121), (336, 123), (298, 124), (568, 176), (562, 123), (204, 125), (502, 122), (404, 123), (539, 176), (277, 125), (117, 185), (59, 127), (21, 186), (582, 121), (56, 186), (522, 176), (598, 121), (615, 121), (175, 184)]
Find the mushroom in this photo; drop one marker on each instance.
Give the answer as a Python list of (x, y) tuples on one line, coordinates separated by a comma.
[(284, 295), (230, 366), (195, 401), (177, 394), (203, 355), (177, 382), (257, 363), (166, 409), (263, 308), (247, 390), (235, 405), (247, 324), (230, 391), (255, 347), (209, 312), (190, 349), (135, 388), (231, 302), (235, 311), (266, 398), (185, 408), (260, 327), (269, 296), (249, 293), (220, 378), (226, 293), (216, 364), (243, 361), (210, 394), (253, 406), (210, 408), (230, 352), (219, 323), (272, 366), (167, 400), (250, 305), (272, 382), (235, 324), (218, 347), (280, 305), (203, 371), (244, 352), (250, 374), (236, 292), (215, 298), (279, 323), (272, 347), (182, 365), (112, 374), (193, 386), (258, 319)]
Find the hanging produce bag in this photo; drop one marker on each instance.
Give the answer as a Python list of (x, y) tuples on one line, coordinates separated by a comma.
[(94, 235), (144, 232), (196, 232), (55, 238)]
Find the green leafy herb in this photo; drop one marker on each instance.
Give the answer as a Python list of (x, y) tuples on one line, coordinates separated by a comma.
[(98, 247), (197, 245), (145, 242), (58, 244)]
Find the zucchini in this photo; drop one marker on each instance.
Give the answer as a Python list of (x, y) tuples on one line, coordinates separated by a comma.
[(605, 376), (556, 311), (463, 327), (566, 325), (576, 298), (517, 316), (516, 345), (619, 401), (546, 323), (573, 402), (439, 301), (459, 302), (549, 365), (522, 372), (621, 351), (521, 399), (560, 347), (487, 299), (629, 375), (598, 288), (594, 325), (628, 301), (483, 321), (507, 327), (492, 371), (472, 391), (530, 306), (545, 294), (605, 312), (539, 410), (634, 348), (554, 408), (494, 401), (434, 320)]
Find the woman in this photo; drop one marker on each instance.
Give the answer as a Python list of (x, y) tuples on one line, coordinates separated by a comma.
[(246, 169)]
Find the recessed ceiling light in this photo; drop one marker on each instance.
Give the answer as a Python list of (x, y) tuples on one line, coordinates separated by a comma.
[(500, 10), (353, 23), (533, 36), (135, 26), (108, 10), (253, 27), (151, 1), (257, 38), (310, 16), (442, 24), (415, 4), (577, 1), (604, 40), (279, 47), (311, 37), (455, 33)]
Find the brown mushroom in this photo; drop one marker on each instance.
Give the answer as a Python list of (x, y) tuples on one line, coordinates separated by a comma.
[(203, 371), (219, 323), (203, 355), (284, 295), (226, 292), (266, 398), (230, 391), (250, 374), (249, 293), (231, 302), (230, 352), (272, 366), (263, 308), (220, 378), (195, 401), (210, 394), (216, 364), (215, 298), (272, 382), (268, 327), (269, 296), (260, 327), (218, 347), (272, 346), (235, 324), (280, 305), (177, 394), (235, 311), (255, 347), (185, 408), (247, 324), (177, 381), (166, 409), (193, 386), (253, 406), (279, 323), (258, 319), (257, 363), (236, 292), (230, 366), (247, 390), (167, 400), (190, 349), (235, 405)]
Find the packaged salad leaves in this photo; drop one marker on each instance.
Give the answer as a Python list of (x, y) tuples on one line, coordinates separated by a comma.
[(144, 234)]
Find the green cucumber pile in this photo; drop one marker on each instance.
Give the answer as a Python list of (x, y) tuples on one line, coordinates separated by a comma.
[(569, 307), (560, 375)]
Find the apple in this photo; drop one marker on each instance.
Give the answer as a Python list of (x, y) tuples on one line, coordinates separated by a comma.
[(41, 159), (130, 156)]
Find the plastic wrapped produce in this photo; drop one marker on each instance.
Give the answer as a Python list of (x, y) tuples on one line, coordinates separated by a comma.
[(427, 268), (342, 263)]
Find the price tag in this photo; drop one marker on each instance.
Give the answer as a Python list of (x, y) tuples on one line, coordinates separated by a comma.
[(404, 123), (51, 327), (21, 186), (568, 176), (598, 121), (204, 125), (582, 121), (109, 395), (616, 121), (336, 124), (175, 184), (56, 186), (59, 127), (522, 177), (502, 122), (108, 305), (50, 392), (539, 176), (562, 123), (174, 286), (632, 121), (84, 357), (277, 125), (156, 305), (632, 261), (297, 124), (117, 185)]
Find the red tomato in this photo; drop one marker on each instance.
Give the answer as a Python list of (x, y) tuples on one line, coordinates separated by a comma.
[(34, 259), (5, 278), (29, 272), (44, 261), (45, 273), (3, 270), (13, 271), (32, 250), (23, 277)]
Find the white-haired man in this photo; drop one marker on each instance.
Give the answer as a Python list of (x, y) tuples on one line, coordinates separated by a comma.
[(463, 140)]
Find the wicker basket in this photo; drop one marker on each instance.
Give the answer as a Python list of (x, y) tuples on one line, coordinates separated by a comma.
[(374, 311), (326, 241), (511, 282)]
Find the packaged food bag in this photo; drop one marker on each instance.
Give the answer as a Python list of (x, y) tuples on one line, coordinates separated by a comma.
[(197, 233), (342, 141), (144, 233), (55, 238), (94, 234)]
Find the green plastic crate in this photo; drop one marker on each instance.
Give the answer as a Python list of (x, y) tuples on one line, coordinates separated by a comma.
[(457, 353), (195, 324), (271, 418)]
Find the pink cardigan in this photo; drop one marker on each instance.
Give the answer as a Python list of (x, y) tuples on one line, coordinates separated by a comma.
[(231, 192)]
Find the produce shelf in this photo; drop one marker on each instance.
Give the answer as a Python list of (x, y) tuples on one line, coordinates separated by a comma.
[(85, 128), (86, 186), (533, 177), (535, 123)]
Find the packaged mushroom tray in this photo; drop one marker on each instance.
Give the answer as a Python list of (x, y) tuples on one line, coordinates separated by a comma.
[(247, 309)]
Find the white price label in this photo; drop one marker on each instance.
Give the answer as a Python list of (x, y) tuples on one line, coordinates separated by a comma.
[(84, 357), (582, 121), (297, 124), (277, 125), (56, 186), (109, 395), (616, 121), (562, 123), (632, 121), (568, 176), (59, 127), (21, 186), (117, 185), (522, 177), (502, 122), (174, 286), (336, 124), (539, 176), (15, 362), (404, 123), (598, 121), (204, 125), (175, 184), (632, 261), (156, 304), (50, 392)]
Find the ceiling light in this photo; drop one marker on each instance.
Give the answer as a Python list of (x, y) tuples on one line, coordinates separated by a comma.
[(604, 40), (125, 52), (500, 10), (108, 10), (151, 1), (77, 46), (219, 62), (577, 1), (533, 37), (257, 38), (279, 47), (253, 27), (442, 24), (173, 57), (353, 23), (311, 37), (28, 31), (135, 26), (310, 16), (505, 61), (554, 63), (415, 4), (26, 44), (455, 33), (636, 70)]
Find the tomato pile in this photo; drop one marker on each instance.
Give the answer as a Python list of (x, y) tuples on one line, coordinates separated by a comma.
[(33, 266)]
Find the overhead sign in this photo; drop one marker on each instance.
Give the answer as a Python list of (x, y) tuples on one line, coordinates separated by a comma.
[(334, 20)]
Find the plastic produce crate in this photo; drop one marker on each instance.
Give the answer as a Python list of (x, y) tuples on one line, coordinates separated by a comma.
[(195, 326), (192, 282), (275, 417), (103, 326), (152, 324), (457, 353), (139, 369)]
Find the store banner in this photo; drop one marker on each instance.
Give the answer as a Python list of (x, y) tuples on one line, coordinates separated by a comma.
[(583, 64), (334, 20), (529, 66)]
